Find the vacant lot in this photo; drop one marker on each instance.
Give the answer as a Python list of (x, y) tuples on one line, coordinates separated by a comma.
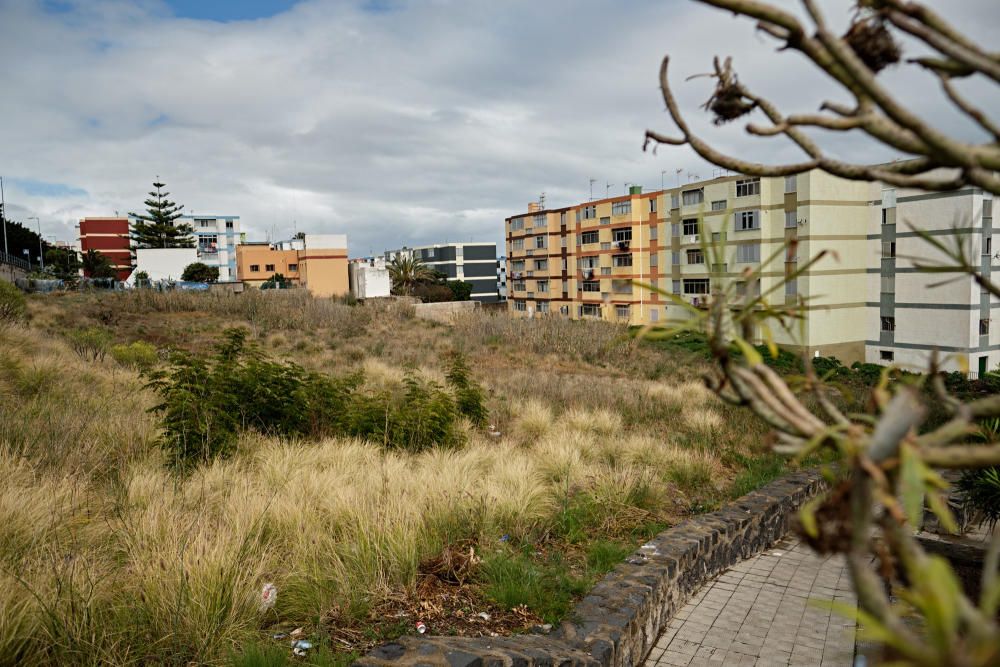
[(110, 555)]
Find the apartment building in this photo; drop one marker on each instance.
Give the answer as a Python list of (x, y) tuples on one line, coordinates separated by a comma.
[(317, 262), (369, 278), (110, 237), (908, 317), (475, 263), (217, 237), (582, 260)]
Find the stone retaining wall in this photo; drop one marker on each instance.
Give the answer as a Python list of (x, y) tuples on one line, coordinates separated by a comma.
[(618, 623)]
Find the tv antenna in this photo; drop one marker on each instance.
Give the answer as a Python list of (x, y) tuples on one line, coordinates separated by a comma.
[(592, 181)]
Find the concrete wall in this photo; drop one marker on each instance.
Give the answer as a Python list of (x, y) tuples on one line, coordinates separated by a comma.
[(164, 263), (369, 280), (445, 311)]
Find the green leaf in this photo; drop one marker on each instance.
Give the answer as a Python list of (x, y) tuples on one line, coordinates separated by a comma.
[(911, 486), (749, 352), (941, 510), (807, 515)]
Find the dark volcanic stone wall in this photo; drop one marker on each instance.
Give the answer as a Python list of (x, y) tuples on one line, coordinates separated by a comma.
[(620, 620)]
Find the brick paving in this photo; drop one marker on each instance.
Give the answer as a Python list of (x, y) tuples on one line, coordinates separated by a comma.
[(758, 614)]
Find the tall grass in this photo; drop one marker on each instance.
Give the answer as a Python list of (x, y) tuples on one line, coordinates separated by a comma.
[(108, 557)]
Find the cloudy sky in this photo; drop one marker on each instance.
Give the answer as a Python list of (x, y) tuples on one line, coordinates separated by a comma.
[(393, 121)]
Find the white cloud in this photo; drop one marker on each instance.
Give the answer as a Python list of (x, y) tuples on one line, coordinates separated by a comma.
[(430, 122)]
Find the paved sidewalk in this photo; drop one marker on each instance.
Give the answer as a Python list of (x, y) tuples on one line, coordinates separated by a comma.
[(757, 614)]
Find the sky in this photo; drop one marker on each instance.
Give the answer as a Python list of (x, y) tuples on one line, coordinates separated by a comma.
[(396, 122)]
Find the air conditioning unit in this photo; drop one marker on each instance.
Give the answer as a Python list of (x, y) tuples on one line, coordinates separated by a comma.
[(693, 238)]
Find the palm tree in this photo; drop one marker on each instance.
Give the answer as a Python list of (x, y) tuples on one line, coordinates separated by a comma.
[(406, 272)]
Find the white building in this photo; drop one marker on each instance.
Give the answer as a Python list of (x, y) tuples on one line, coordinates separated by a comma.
[(474, 263), (369, 278), (907, 317), (217, 236), (164, 263)]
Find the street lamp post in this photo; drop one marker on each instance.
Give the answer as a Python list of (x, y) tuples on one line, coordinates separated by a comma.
[(41, 253)]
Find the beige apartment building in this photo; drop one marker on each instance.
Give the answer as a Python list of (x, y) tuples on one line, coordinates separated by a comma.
[(581, 261)]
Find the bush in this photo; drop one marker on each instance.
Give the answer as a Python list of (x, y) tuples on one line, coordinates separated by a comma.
[(91, 343), (13, 305), (200, 273), (468, 394), (139, 356)]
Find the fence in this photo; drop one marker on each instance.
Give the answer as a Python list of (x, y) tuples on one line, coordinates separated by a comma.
[(6, 258)]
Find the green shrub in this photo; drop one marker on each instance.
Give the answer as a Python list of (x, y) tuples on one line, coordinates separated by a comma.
[(468, 394), (140, 355), (422, 416), (90, 343), (13, 305), (980, 491)]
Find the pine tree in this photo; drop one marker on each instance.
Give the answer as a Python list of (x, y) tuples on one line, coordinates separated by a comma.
[(158, 227)]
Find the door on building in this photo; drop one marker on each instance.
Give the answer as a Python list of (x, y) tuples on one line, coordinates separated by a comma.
[(982, 366)]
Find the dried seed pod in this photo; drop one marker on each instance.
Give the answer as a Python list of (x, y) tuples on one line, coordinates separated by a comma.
[(728, 103), (872, 42)]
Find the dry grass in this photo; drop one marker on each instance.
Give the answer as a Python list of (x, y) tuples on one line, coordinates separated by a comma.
[(110, 558)]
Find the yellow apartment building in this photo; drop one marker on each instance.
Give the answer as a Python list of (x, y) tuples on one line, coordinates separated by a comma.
[(581, 260), (317, 262)]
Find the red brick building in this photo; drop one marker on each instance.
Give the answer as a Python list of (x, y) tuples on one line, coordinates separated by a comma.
[(110, 237)]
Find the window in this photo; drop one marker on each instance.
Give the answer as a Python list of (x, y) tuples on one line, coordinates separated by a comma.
[(652, 233), (791, 183), (541, 241), (621, 207), (208, 242), (540, 220), (674, 203), (562, 241), (269, 267), (517, 244), (605, 270), (562, 219), (519, 286), (889, 198), (888, 216), (520, 306), (541, 264), (605, 220), (621, 312), (565, 287), (293, 267), (791, 287), (622, 260), (590, 310), (589, 212), (255, 268), (621, 286), (695, 257), (206, 222), (229, 224), (675, 257), (696, 286), (746, 220), (888, 284), (517, 266), (984, 327), (747, 187), (888, 249), (888, 323), (741, 288), (692, 197), (747, 253), (588, 237), (690, 226), (885, 355), (675, 286), (652, 205), (516, 224), (606, 245), (542, 286), (988, 245), (654, 315), (791, 253), (654, 259), (675, 230), (790, 220), (588, 262), (621, 235), (719, 205), (591, 285)]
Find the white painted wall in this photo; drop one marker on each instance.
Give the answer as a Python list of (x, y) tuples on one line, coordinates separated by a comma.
[(369, 280), (164, 263)]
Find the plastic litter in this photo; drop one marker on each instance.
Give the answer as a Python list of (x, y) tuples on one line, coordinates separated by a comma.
[(421, 628), (268, 596), (279, 635), (493, 431), (483, 615), (300, 652), (297, 632), (302, 644), (505, 538)]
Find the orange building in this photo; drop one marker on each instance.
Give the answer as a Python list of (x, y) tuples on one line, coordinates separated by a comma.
[(317, 262)]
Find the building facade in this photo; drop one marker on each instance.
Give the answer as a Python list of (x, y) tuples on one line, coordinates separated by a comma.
[(317, 262), (110, 237), (586, 260), (474, 263), (369, 278), (908, 316), (217, 238)]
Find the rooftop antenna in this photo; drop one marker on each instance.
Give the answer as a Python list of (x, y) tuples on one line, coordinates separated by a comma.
[(662, 175), (626, 186), (541, 201), (678, 171), (592, 181), (607, 189)]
